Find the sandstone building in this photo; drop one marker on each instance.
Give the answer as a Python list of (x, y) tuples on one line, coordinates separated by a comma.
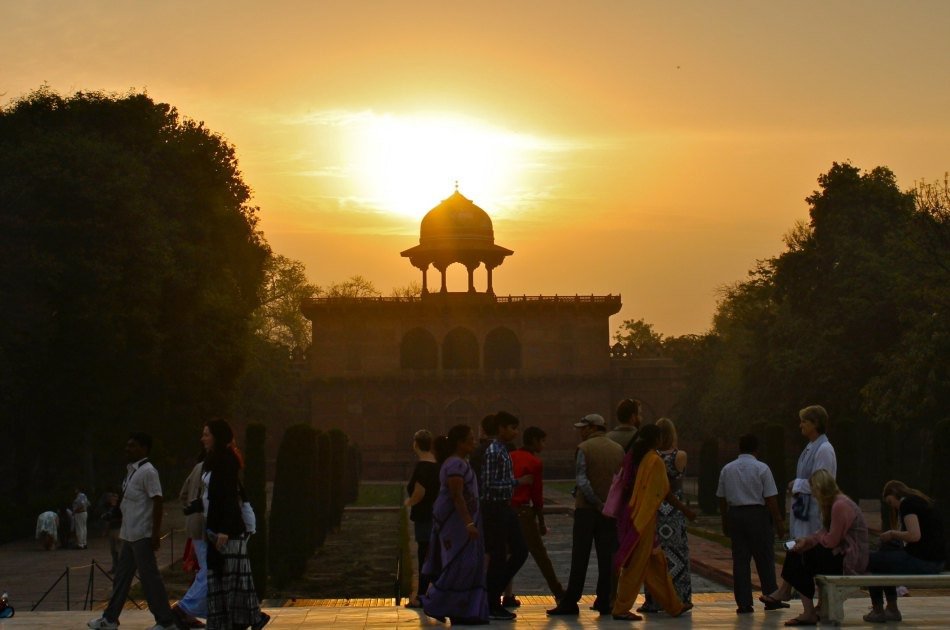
[(381, 368)]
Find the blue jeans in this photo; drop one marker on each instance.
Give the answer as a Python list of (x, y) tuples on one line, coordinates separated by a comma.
[(195, 601), (896, 561)]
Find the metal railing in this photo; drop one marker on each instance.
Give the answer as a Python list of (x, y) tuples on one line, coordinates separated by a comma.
[(89, 596)]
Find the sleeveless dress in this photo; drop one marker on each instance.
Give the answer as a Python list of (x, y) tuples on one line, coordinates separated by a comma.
[(671, 530)]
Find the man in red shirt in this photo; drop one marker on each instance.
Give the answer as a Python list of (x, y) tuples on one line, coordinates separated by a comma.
[(528, 503)]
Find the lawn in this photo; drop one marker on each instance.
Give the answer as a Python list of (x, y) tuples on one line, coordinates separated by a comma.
[(381, 494)]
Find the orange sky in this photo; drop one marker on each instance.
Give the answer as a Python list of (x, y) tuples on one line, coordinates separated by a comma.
[(651, 149)]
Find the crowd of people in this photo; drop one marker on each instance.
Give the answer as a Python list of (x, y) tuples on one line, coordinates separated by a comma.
[(219, 522), (478, 511)]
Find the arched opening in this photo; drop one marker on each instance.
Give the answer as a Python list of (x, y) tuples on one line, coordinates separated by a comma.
[(418, 350), (502, 350), (460, 350), (461, 411)]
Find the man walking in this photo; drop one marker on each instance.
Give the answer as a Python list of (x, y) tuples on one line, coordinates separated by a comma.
[(504, 542), (746, 500), (628, 419), (528, 502), (140, 539), (596, 461)]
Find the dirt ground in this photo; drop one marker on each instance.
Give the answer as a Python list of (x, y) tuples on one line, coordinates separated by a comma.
[(357, 561)]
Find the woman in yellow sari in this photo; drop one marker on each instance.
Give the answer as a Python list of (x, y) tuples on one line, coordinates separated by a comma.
[(640, 558)]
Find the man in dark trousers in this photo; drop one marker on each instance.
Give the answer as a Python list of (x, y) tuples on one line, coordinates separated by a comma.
[(140, 536), (596, 461), (751, 519), (504, 542)]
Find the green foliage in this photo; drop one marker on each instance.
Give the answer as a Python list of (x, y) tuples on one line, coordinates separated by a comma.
[(849, 455), (132, 264), (324, 521), (941, 470), (849, 315), (351, 481), (294, 507), (338, 451), (773, 454), (279, 318), (638, 337), (255, 487), (709, 475)]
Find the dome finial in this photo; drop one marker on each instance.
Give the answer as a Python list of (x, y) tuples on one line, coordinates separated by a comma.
[(456, 185)]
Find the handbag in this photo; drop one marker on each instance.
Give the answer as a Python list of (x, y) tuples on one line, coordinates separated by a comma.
[(801, 506), (615, 496)]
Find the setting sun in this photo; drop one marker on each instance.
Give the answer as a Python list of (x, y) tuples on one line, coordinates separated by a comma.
[(404, 164)]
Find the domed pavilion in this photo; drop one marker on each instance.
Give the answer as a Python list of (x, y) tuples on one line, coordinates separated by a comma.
[(456, 231)]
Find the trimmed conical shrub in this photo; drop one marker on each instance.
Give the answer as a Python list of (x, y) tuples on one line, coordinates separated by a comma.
[(294, 506), (709, 475), (255, 487)]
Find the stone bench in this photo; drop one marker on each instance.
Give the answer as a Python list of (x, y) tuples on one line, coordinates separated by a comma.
[(835, 589)]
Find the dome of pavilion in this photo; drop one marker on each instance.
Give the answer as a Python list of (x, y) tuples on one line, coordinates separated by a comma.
[(456, 221)]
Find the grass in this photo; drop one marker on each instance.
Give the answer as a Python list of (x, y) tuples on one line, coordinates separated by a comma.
[(564, 485), (376, 494)]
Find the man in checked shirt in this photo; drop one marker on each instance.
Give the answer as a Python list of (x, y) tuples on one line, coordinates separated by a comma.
[(504, 542)]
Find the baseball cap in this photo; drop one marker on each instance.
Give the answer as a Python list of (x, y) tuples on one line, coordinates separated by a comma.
[(591, 419)]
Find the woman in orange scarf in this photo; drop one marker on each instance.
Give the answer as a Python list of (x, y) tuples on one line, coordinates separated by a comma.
[(640, 558)]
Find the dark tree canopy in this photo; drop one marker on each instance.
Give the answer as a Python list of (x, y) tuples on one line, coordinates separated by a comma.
[(131, 266)]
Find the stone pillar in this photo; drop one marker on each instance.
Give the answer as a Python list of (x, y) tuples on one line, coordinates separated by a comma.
[(425, 280), (471, 277), (489, 290)]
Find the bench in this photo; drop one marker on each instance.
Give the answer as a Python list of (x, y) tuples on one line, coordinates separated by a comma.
[(835, 589)]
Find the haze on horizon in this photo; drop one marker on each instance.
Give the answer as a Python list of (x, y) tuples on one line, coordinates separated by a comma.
[(639, 148)]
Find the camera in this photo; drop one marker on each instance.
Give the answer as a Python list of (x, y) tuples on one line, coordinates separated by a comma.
[(195, 507)]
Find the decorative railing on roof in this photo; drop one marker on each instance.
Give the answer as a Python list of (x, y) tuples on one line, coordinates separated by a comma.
[(507, 299)]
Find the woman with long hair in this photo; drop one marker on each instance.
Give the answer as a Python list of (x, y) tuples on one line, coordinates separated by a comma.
[(913, 546), (422, 489), (232, 600), (840, 547), (641, 561), (456, 559), (671, 520)]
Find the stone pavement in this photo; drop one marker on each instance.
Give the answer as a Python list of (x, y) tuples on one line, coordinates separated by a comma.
[(711, 611)]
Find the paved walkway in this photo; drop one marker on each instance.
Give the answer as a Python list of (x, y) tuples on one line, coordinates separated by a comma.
[(26, 571)]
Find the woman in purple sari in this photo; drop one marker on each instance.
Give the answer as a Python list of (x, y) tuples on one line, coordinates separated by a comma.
[(457, 550)]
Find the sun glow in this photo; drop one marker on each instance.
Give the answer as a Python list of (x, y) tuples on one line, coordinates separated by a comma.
[(407, 164)]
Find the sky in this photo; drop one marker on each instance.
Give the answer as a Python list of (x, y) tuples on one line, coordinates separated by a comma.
[(654, 150)]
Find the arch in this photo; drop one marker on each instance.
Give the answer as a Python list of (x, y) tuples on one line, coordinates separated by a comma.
[(502, 350), (418, 350), (460, 350)]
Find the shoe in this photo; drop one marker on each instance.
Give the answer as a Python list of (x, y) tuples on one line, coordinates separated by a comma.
[(102, 624), (184, 620), (499, 613), (263, 621), (744, 610), (563, 609), (171, 626), (648, 608), (627, 616), (510, 602), (893, 615), (876, 616), (773, 604)]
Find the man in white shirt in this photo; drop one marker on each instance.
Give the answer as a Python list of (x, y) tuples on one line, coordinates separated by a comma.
[(140, 537), (80, 517), (746, 488)]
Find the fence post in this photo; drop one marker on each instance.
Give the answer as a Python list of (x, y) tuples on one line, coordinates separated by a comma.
[(67, 589)]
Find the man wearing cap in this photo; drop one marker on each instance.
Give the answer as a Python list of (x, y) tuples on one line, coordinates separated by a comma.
[(596, 461)]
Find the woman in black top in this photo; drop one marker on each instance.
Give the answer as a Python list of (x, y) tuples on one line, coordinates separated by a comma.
[(423, 487), (232, 599), (916, 548)]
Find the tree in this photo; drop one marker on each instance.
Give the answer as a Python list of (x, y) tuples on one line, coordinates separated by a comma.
[(132, 264), (354, 287), (638, 337), (279, 319)]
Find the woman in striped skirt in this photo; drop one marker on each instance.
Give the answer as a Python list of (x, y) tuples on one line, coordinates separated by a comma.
[(232, 600)]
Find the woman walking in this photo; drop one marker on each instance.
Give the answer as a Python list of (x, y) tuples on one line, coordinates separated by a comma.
[(422, 489), (457, 551), (671, 521), (640, 559), (232, 600)]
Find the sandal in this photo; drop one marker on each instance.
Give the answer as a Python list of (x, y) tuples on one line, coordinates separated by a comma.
[(686, 608), (413, 603), (773, 604), (798, 621), (628, 616)]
